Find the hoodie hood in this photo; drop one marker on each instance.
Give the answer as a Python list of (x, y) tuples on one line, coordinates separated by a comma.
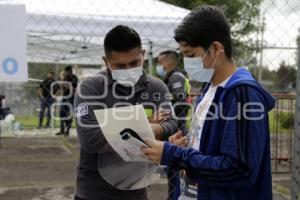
[(243, 77)]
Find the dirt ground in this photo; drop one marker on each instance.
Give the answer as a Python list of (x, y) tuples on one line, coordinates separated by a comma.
[(42, 167)]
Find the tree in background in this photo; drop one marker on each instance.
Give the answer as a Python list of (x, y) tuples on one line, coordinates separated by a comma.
[(243, 16), (40, 70), (286, 77), (268, 77), (281, 80)]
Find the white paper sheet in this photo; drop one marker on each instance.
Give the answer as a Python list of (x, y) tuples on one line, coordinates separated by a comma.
[(117, 125)]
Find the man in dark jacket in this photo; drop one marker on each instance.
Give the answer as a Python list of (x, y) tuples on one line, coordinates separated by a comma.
[(69, 86), (177, 84), (179, 88), (122, 83), (229, 151), (46, 99)]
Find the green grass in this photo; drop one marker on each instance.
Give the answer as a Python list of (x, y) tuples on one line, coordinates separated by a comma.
[(27, 121), (280, 122), (275, 119), (31, 122)]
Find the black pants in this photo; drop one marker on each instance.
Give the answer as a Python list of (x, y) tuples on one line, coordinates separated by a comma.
[(181, 112), (66, 116)]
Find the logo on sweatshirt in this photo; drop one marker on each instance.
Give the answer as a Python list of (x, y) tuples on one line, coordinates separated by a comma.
[(81, 111)]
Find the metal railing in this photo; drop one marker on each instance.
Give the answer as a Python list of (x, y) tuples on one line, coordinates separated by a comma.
[(281, 120)]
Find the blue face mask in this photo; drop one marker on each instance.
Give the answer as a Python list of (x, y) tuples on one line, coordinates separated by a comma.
[(160, 71), (195, 69)]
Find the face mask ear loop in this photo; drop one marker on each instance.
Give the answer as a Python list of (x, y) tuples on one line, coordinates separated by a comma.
[(205, 55), (108, 65), (213, 65), (206, 52)]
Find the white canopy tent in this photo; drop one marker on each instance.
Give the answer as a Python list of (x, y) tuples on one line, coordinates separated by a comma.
[(72, 31)]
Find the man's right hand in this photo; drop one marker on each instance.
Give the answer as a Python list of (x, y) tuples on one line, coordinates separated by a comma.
[(178, 139)]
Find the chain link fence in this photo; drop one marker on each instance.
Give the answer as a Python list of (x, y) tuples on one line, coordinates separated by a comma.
[(295, 190), (62, 32)]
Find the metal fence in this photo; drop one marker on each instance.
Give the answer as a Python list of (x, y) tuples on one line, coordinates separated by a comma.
[(281, 120), (72, 31), (295, 189)]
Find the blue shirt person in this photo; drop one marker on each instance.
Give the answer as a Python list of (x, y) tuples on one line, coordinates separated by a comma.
[(229, 151)]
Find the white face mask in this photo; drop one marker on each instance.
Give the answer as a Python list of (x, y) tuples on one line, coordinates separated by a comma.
[(127, 77), (195, 69)]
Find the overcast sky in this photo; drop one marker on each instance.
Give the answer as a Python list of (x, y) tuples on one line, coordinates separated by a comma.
[(282, 24)]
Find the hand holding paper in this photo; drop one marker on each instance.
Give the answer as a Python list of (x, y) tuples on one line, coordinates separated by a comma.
[(154, 152), (121, 162), (126, 129)]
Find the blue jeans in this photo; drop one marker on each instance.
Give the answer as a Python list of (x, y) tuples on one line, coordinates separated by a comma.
[(45, 105)]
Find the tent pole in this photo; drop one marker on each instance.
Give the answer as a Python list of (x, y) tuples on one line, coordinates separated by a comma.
[(57, 71), (150, 58)]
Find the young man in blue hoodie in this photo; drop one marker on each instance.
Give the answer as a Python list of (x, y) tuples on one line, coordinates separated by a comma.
[(229, 149)]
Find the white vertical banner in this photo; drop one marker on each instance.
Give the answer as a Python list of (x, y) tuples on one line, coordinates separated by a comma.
[(13, 64)]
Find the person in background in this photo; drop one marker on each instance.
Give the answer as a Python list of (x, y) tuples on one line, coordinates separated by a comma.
[(2, 97), (46, 99), (177, 84), (69, 86), (179, 88)]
